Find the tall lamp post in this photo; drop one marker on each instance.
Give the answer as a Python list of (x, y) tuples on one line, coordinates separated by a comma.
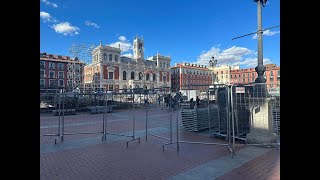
[(260, 69)]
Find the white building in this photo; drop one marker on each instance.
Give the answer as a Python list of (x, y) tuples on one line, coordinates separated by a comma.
[(111, 71), (222, 73)]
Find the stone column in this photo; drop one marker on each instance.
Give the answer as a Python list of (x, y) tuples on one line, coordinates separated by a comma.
[(261, 128)]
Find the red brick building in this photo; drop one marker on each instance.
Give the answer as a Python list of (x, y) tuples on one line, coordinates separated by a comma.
[(184, 75), (248, 75), (60, 72)]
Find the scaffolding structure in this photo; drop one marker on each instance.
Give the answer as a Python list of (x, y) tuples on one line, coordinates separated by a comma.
[(78, 51)]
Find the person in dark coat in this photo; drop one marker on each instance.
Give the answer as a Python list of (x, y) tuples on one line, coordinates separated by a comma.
[(181, 99), (198, 101), (191, 103), (159, 99)]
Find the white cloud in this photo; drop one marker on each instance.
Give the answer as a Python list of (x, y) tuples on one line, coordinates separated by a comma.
[(122, 38), (206, 56), (89, 23), (251, 62), (50, 3), (236, 51), (232, 56), (125, 45), (66, 28), (267, 33), (130, 55), (47, 17), (224, 56)]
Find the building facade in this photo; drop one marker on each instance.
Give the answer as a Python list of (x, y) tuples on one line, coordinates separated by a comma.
[(248, 75), (188, 76), (60, 72), (110, 71), (222, 73)]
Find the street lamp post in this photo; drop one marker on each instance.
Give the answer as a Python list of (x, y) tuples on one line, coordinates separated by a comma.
[(260, 69)]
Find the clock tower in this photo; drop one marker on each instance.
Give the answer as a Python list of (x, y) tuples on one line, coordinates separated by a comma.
[(138, 48)]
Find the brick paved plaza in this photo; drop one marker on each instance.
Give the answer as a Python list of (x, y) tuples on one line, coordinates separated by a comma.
[(86, 156)]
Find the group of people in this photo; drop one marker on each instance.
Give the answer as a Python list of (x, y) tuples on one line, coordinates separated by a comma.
[(173, 101), (192, 103)]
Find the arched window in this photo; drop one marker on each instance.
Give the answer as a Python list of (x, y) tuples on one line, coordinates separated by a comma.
[(110, 57), (105, 56), (137, 86), (154, 77), (130, 87), (132, 75), (164, 78), (161, 64), (140, 75), (116, 58), (124, 75), (147, 76), (145, 87)]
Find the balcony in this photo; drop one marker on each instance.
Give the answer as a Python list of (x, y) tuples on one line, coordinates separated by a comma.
[(132, 81)]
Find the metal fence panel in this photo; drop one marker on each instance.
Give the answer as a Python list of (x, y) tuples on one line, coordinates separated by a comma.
[(120, 120), (275, 104), (256, 108), (49, 124), (159, 122), (82, 113), (204, 116)]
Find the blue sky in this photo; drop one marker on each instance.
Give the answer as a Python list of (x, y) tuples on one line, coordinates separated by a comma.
[(187, 30)]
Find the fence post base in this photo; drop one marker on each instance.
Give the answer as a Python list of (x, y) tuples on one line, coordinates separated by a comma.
[(133, 140)]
